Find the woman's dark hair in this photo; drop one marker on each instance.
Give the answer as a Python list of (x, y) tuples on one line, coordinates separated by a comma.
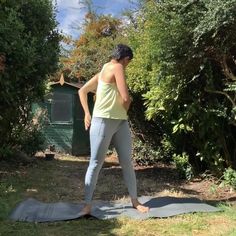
[(121, 51)]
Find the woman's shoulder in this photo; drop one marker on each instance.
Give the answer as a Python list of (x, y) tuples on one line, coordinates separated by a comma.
[(111, 68)]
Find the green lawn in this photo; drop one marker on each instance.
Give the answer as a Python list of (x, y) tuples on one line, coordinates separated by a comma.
[(62, 180)]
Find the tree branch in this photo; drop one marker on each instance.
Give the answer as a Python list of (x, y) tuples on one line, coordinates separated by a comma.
[(222, 93)]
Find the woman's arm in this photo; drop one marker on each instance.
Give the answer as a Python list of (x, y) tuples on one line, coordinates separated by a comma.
[(90, 86), (122, 86)]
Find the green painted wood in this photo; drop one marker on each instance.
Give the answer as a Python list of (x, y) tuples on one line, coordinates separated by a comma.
[(59, 135), (67, 137), (80, 143)]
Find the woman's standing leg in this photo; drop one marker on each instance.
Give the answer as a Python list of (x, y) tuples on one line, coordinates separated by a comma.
[(123, 144)]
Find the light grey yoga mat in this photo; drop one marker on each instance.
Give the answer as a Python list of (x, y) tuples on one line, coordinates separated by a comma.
[(32, 210)]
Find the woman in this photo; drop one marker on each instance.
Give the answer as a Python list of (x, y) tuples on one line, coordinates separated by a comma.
[(109, 123)]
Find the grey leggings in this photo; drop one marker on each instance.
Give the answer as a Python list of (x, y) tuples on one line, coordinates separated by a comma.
[(103, 131)]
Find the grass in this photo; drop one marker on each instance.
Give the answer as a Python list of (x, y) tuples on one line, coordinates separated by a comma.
[(62, 180)]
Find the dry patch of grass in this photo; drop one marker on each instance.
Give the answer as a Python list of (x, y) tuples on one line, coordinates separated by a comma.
[(63, 180)]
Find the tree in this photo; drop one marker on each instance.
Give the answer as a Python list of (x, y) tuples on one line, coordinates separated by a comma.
[(99, 34), (188, 83), (29, 49), (93, 47)]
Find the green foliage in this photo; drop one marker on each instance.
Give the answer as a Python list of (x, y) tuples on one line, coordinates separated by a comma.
[(30, 139), (184, 71), (29, 53), (183, 166), (5, 152), (229, 177), (143, 154), (180, 126)]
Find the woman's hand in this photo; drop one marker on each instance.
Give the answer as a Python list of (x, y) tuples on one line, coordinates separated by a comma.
[(87, 120), (90, 86)]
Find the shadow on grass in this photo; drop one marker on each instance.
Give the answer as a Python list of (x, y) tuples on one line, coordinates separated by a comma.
[(150, 180), (81, 226), (67, 180)]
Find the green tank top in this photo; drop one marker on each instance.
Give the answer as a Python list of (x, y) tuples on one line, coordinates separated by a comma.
[(108, 102)]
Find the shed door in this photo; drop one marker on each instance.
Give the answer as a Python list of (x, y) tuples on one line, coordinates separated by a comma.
[(80, 142), (59, 131)]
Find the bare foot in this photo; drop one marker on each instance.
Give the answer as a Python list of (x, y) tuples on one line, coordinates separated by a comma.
[(87, 209), (140, 207)]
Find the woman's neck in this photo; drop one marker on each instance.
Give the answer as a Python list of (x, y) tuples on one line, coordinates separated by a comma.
[(114, 61)]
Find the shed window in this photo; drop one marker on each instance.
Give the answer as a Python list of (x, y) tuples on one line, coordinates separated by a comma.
[(61, 108)]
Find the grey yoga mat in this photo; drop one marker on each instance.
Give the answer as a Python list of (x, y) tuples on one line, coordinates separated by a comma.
[(32, 210)]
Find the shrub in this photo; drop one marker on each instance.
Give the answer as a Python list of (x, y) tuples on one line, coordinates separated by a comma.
[(183, 166), (229, 177), (144, 154)]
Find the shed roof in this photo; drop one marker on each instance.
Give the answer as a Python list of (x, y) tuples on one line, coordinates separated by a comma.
[(75, 85), (62, 82)]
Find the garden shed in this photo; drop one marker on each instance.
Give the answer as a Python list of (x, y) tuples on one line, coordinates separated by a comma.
[(64, 128)]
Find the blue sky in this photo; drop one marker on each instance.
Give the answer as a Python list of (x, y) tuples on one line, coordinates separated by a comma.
[(71, 14)]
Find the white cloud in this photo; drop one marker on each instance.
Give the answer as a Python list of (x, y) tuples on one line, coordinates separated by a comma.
[(71, 13), (67, 4), (70, 16)]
